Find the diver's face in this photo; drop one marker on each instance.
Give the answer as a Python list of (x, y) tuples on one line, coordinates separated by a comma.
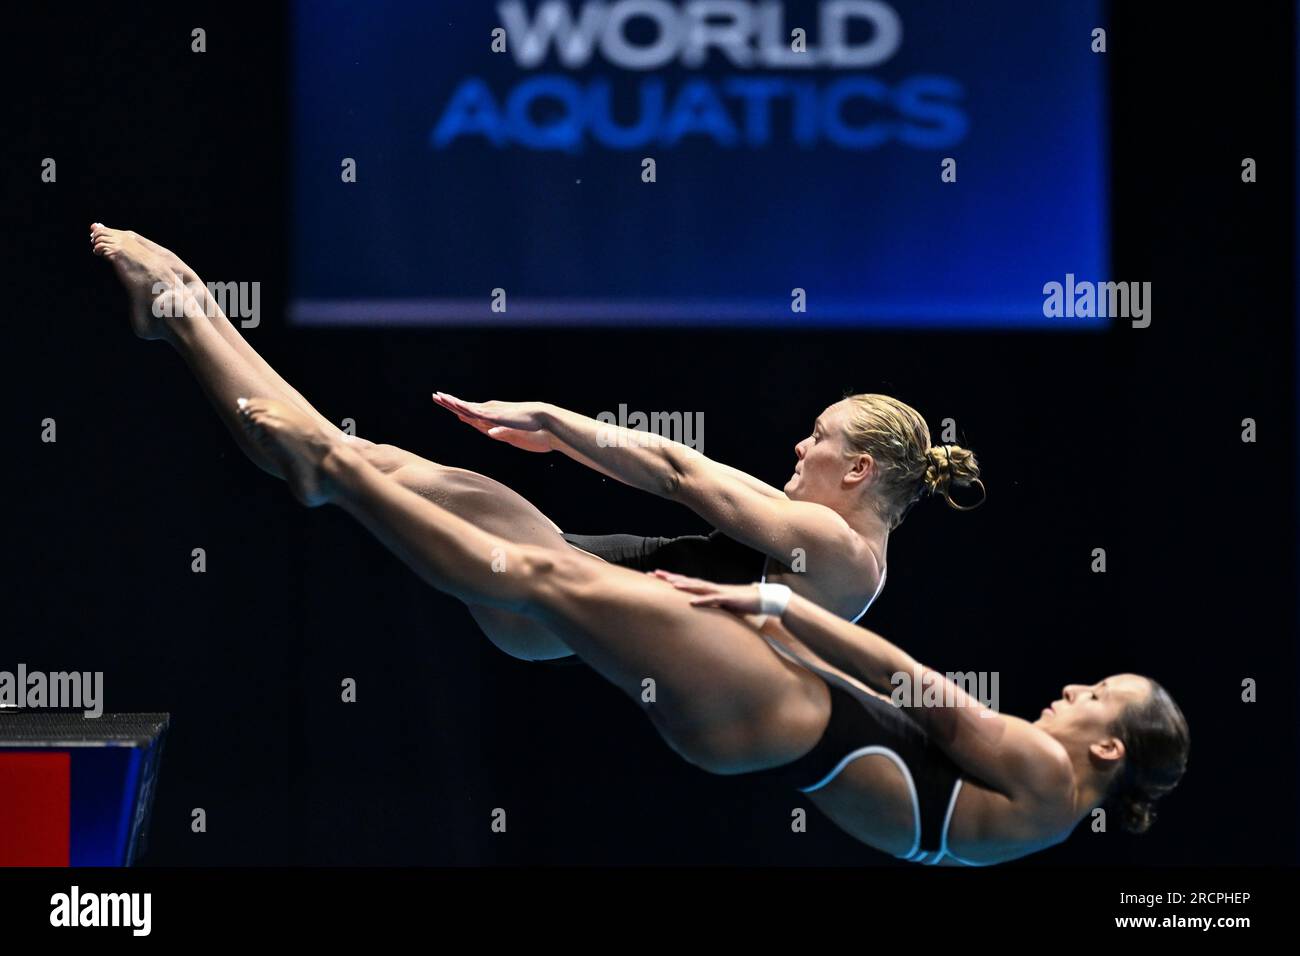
[(821, 461), (1089, 710)]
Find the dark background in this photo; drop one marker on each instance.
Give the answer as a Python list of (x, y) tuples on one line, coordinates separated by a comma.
[(1127, 440)]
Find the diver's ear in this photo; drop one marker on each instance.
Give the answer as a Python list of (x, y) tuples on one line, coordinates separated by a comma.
[(862, 468), (1108, 751)]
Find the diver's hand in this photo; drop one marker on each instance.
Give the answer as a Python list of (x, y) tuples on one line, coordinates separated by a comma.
[(737, 598), (515, 423)]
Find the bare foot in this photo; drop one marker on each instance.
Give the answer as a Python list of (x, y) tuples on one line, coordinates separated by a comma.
[(155, 290), (191, 278), (295, 443)]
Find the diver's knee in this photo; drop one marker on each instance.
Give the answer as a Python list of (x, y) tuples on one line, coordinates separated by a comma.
[(551, 576)]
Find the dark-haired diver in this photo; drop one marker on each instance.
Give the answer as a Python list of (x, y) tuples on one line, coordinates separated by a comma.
[(956, 783)]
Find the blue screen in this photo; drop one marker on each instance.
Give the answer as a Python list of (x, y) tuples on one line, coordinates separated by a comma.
[(793, 184)]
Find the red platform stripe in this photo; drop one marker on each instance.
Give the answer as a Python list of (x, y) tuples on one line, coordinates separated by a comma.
[(35, 809)]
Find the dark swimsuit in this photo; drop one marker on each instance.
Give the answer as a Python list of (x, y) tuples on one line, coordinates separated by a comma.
[(713, 557), (862, 724), (859, 724)]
